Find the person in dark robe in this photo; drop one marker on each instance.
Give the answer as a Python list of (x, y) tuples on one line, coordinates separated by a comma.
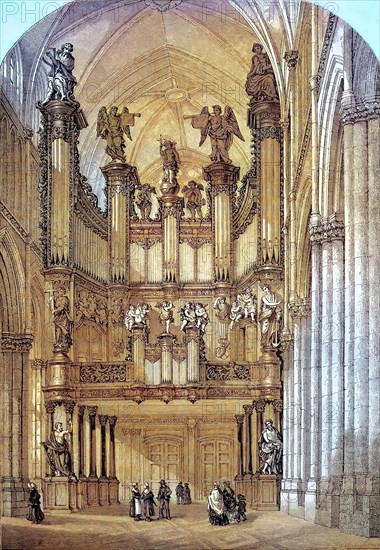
[(179, 493), (147, 503), (242, 507), (230, 503), (186, 494), (164, 494), (35, 514)]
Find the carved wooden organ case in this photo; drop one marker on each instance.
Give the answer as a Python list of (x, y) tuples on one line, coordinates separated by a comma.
[(221, 260)]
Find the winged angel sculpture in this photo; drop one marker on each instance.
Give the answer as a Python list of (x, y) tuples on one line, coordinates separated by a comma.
[(220, 128), (112, 126)]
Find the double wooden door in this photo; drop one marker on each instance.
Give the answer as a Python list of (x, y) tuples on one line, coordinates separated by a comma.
[(216, 463), (165, 460)]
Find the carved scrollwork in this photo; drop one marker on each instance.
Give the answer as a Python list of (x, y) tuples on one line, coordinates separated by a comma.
[(102, 374), (91, 308), (153, 353), (270, 132), (228, 372)]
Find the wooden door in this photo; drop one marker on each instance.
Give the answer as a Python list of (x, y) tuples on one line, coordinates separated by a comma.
[(164, 462), (216, 463)]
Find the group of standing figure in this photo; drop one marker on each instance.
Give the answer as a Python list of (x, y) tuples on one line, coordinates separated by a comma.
[(183, 494), (224, 506), (142, 503)]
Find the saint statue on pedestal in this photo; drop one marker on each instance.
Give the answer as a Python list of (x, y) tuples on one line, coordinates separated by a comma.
[(270, 450), (61, 80), (112, 126), (58, 453)]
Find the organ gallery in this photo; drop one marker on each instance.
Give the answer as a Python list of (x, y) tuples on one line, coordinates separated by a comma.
[(187, 250)]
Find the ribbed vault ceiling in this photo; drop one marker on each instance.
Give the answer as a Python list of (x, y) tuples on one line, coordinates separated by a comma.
[(163, 65)]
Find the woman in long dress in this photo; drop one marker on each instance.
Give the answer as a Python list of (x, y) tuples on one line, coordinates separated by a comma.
[(148, 502), (35, 514), (216, 510), (135, 504)]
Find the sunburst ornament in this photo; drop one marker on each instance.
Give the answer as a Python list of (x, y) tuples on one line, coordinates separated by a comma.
[(162, 5)]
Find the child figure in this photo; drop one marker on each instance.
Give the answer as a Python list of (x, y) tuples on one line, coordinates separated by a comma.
[(242, 506)]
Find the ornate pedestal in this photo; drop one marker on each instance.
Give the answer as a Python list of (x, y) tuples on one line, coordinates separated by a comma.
[(261, 491), (114, 491), (104, 492), (61, 494), (92, 491)]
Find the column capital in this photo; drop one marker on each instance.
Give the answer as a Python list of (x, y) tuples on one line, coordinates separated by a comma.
[(112, 420), (81, 409), (287, 340), (50, 407), (92, 410), (328, 229), (299, 308), (259, 405), (248, 409), (239, 419), (15, 342), (103, 418), (38, 364), (291, 58), (277, 405), (361, 112), (69, 406)]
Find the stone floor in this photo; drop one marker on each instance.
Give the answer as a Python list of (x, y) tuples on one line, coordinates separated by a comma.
[(112, 529)]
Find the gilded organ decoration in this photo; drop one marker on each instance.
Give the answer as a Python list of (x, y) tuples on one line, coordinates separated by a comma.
[(143, 200), (166, 314), (244, 307), (112, 126), (261, 83), (220, 127), (170, 166), (222, 312), (193, 193), (90, 307), (270, 319), (63, 323), (194, 315), (61, 81), (137, 316)]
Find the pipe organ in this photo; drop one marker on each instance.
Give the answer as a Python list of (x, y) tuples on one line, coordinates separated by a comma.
[(185, 304)]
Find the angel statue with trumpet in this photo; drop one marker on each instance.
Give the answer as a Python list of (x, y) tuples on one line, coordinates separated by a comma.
[(112, 126), (220, 128)]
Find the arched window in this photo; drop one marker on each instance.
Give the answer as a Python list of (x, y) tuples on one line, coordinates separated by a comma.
[(13, 75), (12, 70)]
